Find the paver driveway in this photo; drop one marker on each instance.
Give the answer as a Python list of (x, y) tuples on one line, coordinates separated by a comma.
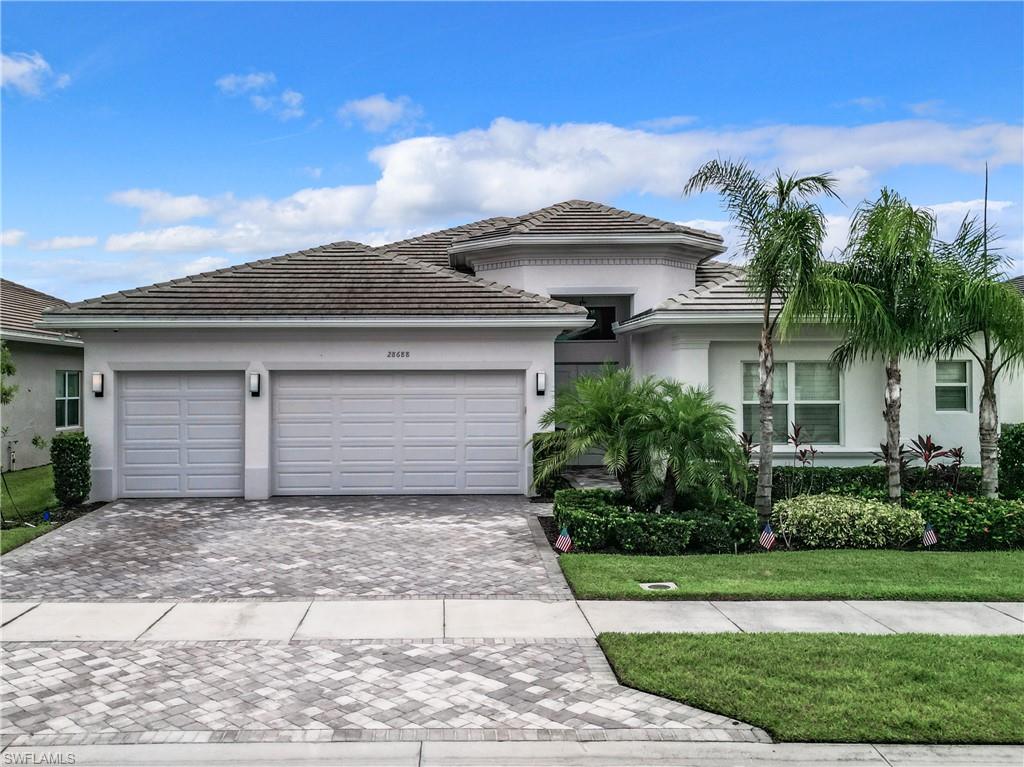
[(286, 548)]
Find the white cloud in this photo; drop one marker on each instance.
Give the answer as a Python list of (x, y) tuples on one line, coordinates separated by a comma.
[(928, 108), (10, 238), (312, 171), (867, 103), (378, 113), (233, 85), (286, 105), (165, 208), (667, 123), (70, 242), (30, 74), (512, 166)]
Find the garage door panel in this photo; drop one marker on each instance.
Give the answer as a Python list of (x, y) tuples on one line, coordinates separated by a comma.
[(303, 405), (408, 432), (181, 434), (305, 482)]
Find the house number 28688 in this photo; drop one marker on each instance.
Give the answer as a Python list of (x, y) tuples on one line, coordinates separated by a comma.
[(398, 354)]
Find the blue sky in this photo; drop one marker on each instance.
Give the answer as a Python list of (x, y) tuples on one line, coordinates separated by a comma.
[(147, 141)]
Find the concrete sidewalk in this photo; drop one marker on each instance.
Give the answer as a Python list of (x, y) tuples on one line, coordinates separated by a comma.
[(427, 619), (516, 754)]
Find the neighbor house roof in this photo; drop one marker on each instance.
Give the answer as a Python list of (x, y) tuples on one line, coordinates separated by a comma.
[(582, 217), (340, 280), (1017, 282), (21, 307)]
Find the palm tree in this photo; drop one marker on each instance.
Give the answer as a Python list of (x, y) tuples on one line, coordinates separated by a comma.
[(695, 434), (981, 306), (890, 252), (781, 235), (611, 412)]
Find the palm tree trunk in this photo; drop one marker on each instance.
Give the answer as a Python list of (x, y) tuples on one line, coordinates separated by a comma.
[(668, 492), (893, 401), (766, 400), (988, 432)]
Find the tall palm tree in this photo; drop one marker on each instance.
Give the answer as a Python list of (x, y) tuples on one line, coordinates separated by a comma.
[(780, 234), (891, 252), (981, 307)]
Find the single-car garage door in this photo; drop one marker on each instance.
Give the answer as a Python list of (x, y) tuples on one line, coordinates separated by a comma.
[(180, 434), (401, 432)]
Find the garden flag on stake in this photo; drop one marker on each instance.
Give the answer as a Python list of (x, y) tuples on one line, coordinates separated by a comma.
[(767, 539), (929, 538), (564, 542)]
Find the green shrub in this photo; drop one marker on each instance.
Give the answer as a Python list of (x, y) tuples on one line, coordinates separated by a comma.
[(842, 522), (597, 520), (794, 481), (70, 454), (722, 527), (968, 523), (1011, 461)]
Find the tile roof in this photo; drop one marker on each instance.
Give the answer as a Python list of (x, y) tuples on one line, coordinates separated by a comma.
[(719, 287), (583, 217), (1017, 282), (433, 246), (21, 307), (343, 279)]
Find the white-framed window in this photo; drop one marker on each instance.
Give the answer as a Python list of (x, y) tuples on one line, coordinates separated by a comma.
[(952, 385), (69, 399), (806, 393)]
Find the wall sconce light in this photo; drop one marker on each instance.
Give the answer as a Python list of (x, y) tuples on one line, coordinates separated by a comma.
[(254, 384), (542, 383), (97, 384)]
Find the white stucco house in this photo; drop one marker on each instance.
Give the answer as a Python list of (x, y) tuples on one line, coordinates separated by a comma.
[(48, 375), (423, 366)]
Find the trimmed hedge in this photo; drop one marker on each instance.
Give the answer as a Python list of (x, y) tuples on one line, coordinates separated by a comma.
[(968, 523), (599, 520), (1011, 461), (70, 454), (842, 522), (794, 481)]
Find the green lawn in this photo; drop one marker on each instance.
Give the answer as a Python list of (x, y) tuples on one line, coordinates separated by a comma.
[(33, 494), (909, 688), (844, 574)]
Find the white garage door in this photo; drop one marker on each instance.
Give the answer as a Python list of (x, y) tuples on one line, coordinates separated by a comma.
[(180, 434), (356, 433)]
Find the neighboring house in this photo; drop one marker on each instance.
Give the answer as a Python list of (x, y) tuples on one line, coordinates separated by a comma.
[(48, 377), (423, 366)]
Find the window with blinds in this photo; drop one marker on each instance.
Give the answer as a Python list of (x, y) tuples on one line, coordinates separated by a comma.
[(806, 393), (952, 385)]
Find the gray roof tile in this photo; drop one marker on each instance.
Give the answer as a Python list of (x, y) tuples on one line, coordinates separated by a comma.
[(22, 307)]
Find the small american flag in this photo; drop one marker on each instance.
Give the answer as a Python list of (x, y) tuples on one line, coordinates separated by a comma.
[(564, 542), (929, 538), (767, 539)]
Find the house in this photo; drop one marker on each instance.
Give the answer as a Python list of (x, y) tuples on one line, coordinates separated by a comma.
[(423, 366), (48, 375)]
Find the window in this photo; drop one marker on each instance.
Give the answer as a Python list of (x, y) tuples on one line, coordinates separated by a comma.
[(951, 385), (69, 399), (806, 393), (601, 330)]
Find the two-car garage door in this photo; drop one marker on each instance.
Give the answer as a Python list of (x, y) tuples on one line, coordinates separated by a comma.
[(181, 434), (397, 432)]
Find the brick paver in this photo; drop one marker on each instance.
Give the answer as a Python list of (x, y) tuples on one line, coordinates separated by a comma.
[(287, 548), (335, 690)]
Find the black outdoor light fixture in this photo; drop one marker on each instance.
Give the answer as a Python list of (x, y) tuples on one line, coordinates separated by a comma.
[(97, 384), (542, 382), (254, 384)]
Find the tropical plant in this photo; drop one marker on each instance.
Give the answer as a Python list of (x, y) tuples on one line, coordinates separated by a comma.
[(781, 235), (611, 412), (926, 451), (890, 252), (982, 307), (694, 437), (659, 438), (7, 369)]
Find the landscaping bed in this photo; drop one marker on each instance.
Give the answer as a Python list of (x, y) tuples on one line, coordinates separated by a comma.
[(827, 574), (31, 499), (840, 688)]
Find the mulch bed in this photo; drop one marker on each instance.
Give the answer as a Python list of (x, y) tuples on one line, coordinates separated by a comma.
[(58, 517), (550, 530)]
